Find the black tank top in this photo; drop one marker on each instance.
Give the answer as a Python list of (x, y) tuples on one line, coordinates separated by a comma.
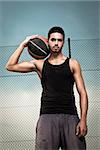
[(57, 95)]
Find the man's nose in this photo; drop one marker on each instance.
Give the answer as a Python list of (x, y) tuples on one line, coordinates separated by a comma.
[(56, 42)]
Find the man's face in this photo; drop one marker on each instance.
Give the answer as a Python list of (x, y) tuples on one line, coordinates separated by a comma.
[(56, 42)]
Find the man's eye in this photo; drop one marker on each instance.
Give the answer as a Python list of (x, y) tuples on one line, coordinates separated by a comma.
[(60, 40), (53, 39)]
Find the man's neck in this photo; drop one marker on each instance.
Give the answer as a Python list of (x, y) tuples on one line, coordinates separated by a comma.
[(56, 58)]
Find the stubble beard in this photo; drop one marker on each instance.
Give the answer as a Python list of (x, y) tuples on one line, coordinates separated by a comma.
[(55, 50)]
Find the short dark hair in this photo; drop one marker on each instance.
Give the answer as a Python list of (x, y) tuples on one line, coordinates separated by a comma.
[(56, 29)]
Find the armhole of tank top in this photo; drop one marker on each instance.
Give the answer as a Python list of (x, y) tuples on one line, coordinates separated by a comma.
[(67, 60), (43, 67)]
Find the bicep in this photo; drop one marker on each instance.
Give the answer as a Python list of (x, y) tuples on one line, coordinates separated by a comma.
[(23, 67), (79, 81)]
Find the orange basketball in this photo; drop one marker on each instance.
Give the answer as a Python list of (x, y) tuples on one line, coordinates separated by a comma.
[(38, 47)]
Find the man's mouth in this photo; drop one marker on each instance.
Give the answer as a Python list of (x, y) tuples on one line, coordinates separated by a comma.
[(56, 47)]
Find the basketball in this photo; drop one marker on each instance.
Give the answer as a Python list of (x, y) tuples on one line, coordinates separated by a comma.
[(38, 48)]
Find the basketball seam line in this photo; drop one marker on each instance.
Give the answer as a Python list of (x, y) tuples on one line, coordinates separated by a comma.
[(38, 47)]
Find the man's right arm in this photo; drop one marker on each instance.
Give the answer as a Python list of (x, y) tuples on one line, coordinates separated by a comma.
[(13, 62)]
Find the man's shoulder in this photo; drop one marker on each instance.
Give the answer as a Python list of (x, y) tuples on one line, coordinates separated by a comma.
[(37, 61), (74, 63)]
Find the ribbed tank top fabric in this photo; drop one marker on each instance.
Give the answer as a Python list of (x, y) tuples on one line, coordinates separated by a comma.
[(57, 95)]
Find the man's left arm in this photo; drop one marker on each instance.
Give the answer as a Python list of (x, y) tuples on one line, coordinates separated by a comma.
[(81, 129)]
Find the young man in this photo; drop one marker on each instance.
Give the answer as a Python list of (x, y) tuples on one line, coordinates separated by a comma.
[(58, 124)]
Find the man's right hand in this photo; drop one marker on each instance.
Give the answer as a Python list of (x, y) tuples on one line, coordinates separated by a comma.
[(27, 39)]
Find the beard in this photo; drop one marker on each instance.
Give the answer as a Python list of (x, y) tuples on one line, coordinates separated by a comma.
[(55, 49)]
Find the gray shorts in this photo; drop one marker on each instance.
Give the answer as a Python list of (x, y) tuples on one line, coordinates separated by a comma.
[(56, 131)]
